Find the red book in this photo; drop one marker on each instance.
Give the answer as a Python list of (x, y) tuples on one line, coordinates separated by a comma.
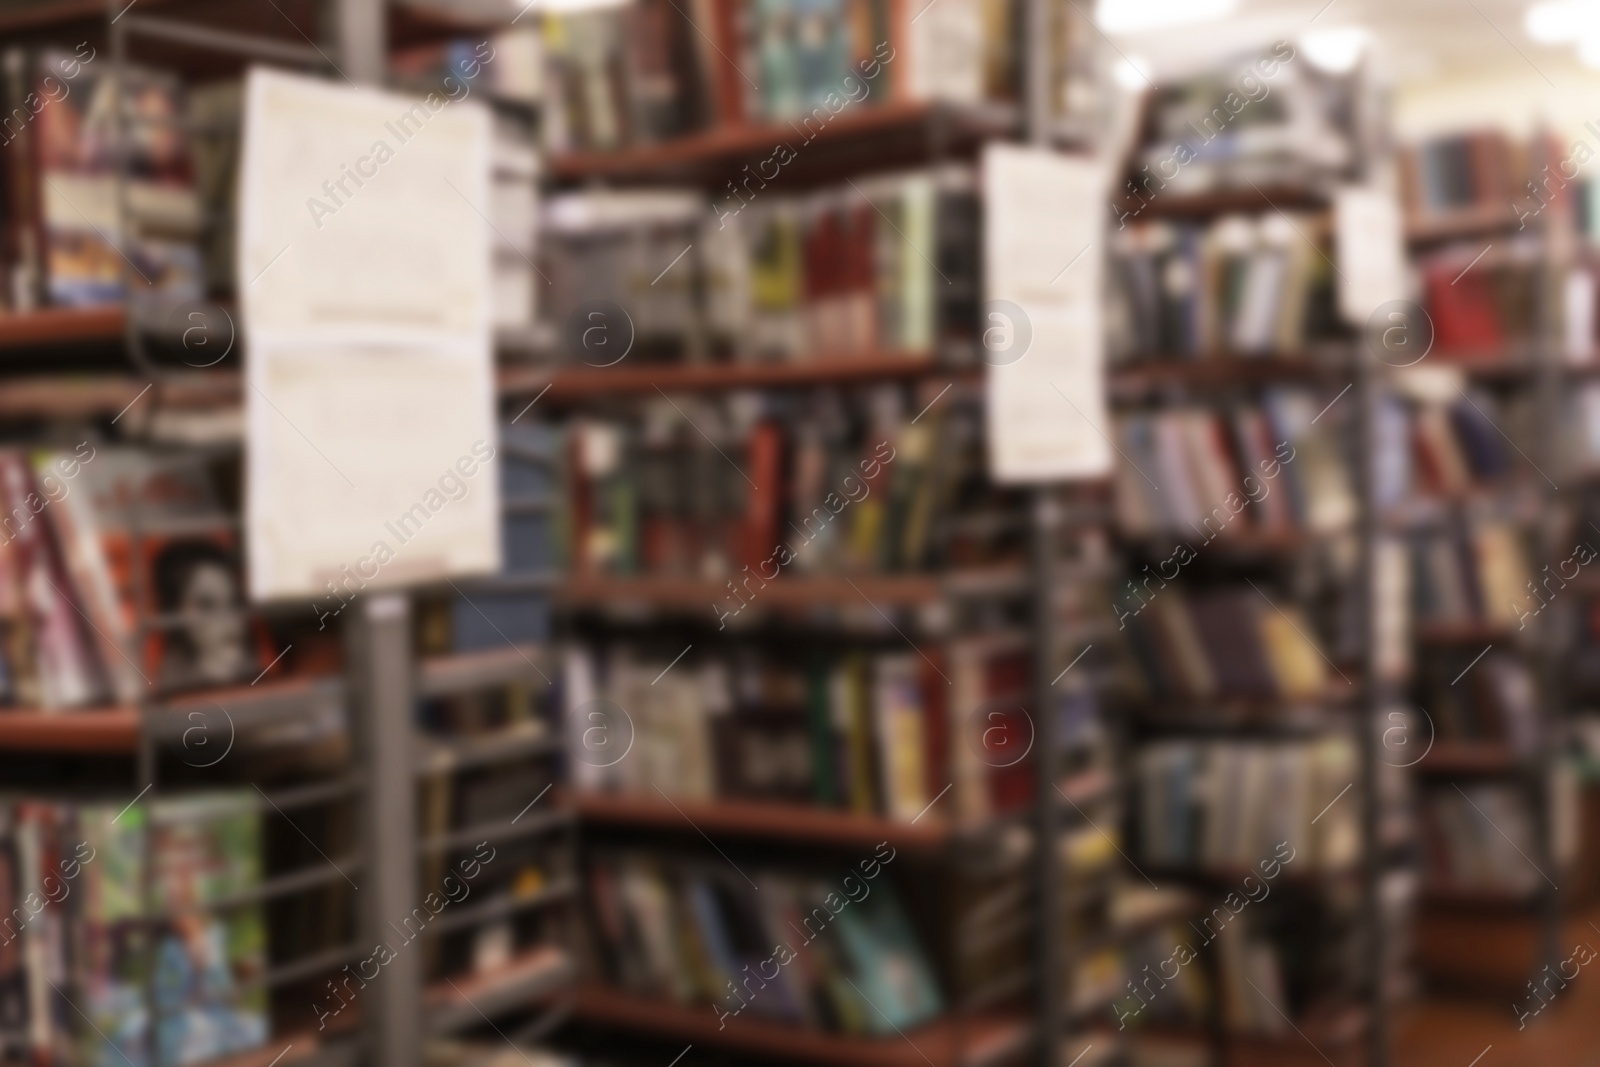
[(1462, 307), (764, 466), (936, 722)]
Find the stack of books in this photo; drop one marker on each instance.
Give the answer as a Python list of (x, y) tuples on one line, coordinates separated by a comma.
[(881, 733), (1222, 643), (652, 70), (84, 532), (1480, 701), (63, 221), (1464, 173), (93, 936), (846, 957), (1229, 805), (884, 264), (1200, 473), (1478, 838), (814, 486), (1438, 448), (1249, 285), (1472, 573)]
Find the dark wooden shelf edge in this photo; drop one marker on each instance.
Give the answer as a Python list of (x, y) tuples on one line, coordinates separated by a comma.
[(570, 383), (767, 819), (805, 591), (981, 1040), (722, 142), (86, 731), (62, 325)]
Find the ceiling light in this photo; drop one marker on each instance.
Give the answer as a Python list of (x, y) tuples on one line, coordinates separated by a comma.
[(1134, 16), (1132, 73), (1561, 21), (1336, 50), (1589, 49)]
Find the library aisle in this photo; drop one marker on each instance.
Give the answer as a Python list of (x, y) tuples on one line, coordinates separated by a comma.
[(821, 533)]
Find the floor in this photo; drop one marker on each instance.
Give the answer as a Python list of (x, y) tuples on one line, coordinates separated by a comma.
[(1485, 1033)]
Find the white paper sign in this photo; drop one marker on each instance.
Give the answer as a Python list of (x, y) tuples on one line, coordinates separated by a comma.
[(1043, 336), (364, 274), (1370, 251)]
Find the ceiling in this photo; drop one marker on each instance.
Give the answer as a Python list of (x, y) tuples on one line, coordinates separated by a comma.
[(1414, 40)]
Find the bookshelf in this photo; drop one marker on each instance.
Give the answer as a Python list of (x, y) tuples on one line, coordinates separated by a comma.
[(1198, 373), (327, 728), (1510, 360), (998, 1022)]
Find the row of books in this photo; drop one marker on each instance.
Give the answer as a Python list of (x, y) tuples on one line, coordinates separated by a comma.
[(652, 70), (845, 955), (1478, 837), (885, 733), (1202, 473), (887, 263), (1478, 303), (1222, 642), (82, 534), (1228, 805), (1482, 170), (753, 493), (1472, 572), (1437, 448), (66, 231), (93, 941), (62, 215), (1224, 960), (1250, 285), (1267, 120), (1491, 700)]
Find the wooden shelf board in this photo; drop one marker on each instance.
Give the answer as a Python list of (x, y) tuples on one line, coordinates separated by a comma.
[(1222, 201), (1471, 222), (1478, 899), (97, 731), (1212, 371), (302, 1047), (1462, 633), (459, 671), (572, 383), (464, 1000), (115, 730), (54, 326), (760, 818), (94, 395), (723, 144), (88, 396), (1469, 757), (981, 1039), (1237, 539), (878, 590)]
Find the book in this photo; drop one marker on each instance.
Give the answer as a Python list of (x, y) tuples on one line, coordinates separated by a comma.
[(68, 671), (1229, 805), (88, 232), (798, 952)]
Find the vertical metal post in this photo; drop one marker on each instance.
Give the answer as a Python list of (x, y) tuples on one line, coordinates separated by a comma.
[(1046, 523), (1374, 698), (378, 646), (1046, 533), (1037, 39), (1552, 630), (363, 40)]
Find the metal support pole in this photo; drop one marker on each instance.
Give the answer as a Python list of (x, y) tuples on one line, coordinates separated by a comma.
[(1046, 521), (1375, 697), (363, 40), (378, 644)]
